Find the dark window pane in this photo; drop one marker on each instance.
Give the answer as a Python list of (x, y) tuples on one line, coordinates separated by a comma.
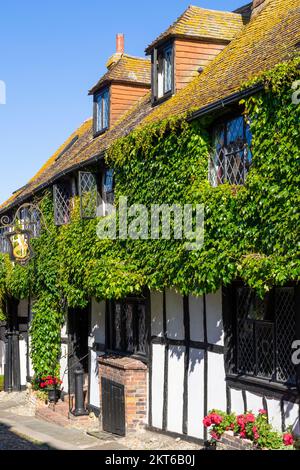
[(286, 333), (118, 327), (265, 350), (141, 329)]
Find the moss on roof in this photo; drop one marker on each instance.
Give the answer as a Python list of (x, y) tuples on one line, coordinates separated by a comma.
[(202, 23), (271, 37), (126, 69)]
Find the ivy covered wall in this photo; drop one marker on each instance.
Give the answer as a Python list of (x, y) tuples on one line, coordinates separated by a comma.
[(252, 232)]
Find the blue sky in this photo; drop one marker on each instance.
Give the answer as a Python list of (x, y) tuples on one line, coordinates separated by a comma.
[(51, 52)]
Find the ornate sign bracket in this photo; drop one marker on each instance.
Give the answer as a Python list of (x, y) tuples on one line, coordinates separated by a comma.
[(18, 231)]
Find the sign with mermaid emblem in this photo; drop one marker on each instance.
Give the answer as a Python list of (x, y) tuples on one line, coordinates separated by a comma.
[(19, 246)]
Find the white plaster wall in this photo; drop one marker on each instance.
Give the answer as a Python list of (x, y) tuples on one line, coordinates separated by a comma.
[(157, 389), (2, 357), (291, 415), (98, 322), (174, 312), (97, 335), (196, 318), (23, 360), (274, 412), (175, 388), (237, 402), (156, 300), (64, 367), (215, 334), (216, 389), (254, 402), (196, 393)]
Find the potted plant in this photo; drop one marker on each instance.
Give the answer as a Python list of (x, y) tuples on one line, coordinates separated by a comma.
[(49, 384)]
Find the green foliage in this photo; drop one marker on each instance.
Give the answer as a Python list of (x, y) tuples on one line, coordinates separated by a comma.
[(248, 426), (251, 232), (45, 331)]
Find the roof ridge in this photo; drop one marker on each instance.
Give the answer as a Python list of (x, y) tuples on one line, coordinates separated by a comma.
[(213, 10)]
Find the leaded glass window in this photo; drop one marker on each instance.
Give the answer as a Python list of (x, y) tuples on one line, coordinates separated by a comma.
[(108, 191), (231, 156), (88, 192), (4, 244), (62, 194), (102, 111), (128, 325), (265, 332)]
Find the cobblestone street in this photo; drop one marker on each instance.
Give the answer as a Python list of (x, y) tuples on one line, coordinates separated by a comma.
[(12, 441), (21, 430)]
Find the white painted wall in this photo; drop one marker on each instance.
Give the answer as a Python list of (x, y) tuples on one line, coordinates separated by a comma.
[(97, 335), (2, 357), (254, 402), (274, 412), (23, 313), (175, 388), (237, 402), (216, 387), (196, 393), (215, 334), (64, 368), (174, 313), (196, 318), (291, 415), (23, 360), (156, 300), (158, 366)]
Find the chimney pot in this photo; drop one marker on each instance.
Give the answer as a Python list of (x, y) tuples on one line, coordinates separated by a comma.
[(120, 43), (257, 6)]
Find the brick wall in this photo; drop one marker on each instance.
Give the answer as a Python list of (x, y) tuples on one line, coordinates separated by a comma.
[(231, 442), (133, 375)]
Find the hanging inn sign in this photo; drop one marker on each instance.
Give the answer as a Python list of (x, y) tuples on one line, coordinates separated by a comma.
[(17, 233)]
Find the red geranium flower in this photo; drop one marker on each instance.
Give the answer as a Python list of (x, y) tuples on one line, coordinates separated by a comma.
[(288, 439), (207, 421), (263, 412), (250, 418)]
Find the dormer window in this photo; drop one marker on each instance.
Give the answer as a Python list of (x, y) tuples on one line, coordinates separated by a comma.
[(101, 111), (163, 73)]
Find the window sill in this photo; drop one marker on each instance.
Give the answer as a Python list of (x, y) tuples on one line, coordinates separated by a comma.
[(263, 386), (98, 133), (138, 357), (158, 101)]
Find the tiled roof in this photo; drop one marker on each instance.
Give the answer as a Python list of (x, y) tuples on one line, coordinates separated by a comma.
[(270, 38), (126, 69), (201, 23)]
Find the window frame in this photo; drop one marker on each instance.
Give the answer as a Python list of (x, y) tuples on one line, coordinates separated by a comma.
[(170, 45), (246, 381), (111, 330), (101, 93)]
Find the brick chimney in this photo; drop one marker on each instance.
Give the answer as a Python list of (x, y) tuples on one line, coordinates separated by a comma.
[(258, 6), (119, 51), (120, 43)]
